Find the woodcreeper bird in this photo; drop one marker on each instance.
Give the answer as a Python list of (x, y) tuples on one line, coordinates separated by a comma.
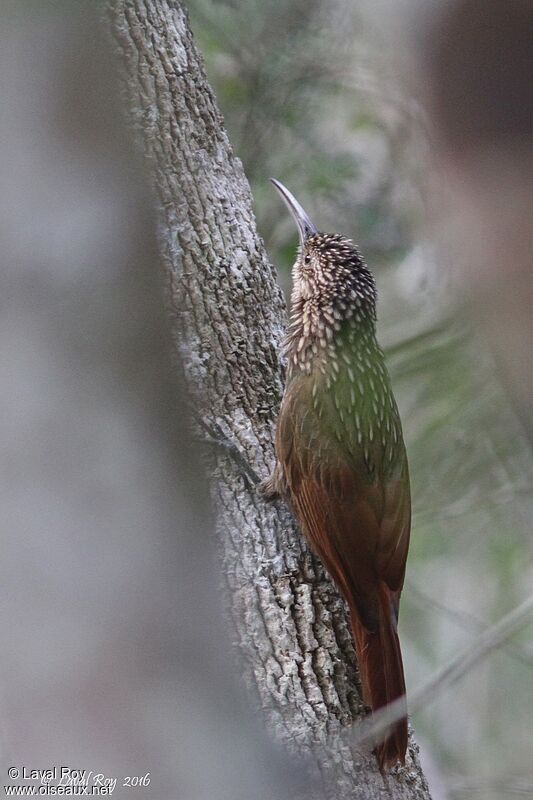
[(341, 460)]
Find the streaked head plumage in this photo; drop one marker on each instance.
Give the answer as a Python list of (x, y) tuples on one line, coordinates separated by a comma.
[(328, 266)]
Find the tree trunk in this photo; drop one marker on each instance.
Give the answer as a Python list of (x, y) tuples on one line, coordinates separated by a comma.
[(228, 314)]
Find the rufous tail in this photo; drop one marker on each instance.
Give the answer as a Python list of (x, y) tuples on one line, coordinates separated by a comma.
[(381, 669)]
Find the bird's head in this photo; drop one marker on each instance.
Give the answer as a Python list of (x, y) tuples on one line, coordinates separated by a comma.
[(329, 270)]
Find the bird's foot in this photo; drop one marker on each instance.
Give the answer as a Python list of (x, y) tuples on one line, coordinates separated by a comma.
[(273, 487)]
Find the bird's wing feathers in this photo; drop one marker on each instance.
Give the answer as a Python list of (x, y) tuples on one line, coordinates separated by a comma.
[(358, 526)]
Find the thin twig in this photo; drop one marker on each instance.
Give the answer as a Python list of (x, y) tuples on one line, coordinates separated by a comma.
[(467, 621), (219, 439), (489, 640)]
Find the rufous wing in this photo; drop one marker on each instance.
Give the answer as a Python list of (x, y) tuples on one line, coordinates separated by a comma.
[(359, 526)]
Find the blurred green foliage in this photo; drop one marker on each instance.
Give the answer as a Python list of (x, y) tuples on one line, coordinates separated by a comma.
[(309, 97), (297, 108)]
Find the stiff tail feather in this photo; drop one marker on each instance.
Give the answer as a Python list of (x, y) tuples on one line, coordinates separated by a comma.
[(381, 669)]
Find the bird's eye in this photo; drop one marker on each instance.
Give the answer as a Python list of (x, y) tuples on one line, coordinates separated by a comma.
[(307, 259)]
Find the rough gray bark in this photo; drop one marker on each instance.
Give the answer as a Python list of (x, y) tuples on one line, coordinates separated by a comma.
[(291, 627), (107, 533)]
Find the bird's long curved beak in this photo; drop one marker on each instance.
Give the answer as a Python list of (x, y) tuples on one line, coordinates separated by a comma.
[(305, 226)]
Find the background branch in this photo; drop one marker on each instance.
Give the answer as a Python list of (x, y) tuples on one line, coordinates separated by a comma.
[(490, 640)]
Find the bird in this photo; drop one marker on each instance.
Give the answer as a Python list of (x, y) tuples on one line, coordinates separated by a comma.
[(341, 461)]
